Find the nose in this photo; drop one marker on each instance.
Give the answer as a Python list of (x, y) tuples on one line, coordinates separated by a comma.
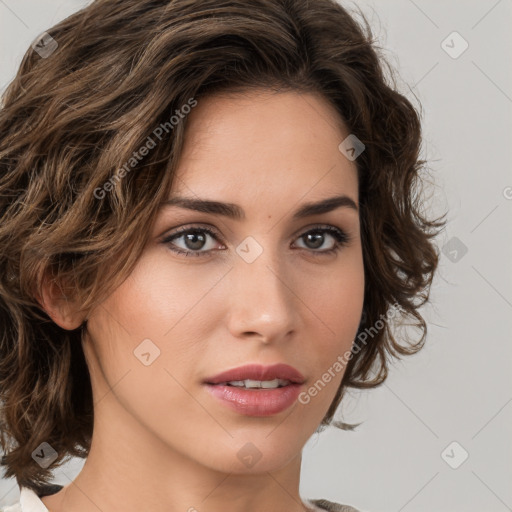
[(262, 301)]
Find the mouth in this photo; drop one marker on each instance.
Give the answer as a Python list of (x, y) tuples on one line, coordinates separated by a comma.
[(258, 376), (256, 384), (256, 390)]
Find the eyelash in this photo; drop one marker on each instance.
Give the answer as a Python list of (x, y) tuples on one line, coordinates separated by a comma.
[(340, 236)]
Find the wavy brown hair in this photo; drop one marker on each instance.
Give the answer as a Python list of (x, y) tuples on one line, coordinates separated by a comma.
[(70, 120)]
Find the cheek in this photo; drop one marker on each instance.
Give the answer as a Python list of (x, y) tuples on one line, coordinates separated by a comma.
[(162, 297), (336, 305), (337, 301), (155, 316), (145, 370)]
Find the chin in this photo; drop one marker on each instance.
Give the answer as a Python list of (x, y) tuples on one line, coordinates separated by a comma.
[(257, 453)]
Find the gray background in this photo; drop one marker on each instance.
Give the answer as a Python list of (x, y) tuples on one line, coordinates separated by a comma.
[(458, 389)]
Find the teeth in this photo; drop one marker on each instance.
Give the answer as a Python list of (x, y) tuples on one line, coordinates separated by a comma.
[(254, 384)]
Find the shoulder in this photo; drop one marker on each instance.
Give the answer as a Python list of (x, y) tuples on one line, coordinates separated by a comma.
[(331, 506), (30, 499), (12, 508)]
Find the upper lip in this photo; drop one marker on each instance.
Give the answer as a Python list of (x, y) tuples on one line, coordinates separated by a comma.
[(258, 372)]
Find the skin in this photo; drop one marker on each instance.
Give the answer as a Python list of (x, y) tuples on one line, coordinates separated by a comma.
[(161, 441)]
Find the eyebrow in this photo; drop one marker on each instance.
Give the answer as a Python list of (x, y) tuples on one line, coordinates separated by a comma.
[(234, 211)]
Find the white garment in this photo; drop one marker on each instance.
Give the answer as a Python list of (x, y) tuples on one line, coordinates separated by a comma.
[(30, 502)]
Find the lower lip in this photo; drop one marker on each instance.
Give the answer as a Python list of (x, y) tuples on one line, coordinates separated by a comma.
[(256, 402)]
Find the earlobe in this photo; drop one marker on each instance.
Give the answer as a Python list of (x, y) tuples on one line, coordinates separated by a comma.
[(61, 309)]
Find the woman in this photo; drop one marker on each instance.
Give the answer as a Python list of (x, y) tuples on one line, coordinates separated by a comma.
[(209, 218)]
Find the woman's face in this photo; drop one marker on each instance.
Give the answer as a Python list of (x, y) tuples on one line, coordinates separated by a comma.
[(262, 287)]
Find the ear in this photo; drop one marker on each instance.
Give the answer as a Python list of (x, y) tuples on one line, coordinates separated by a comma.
[(61, 309)]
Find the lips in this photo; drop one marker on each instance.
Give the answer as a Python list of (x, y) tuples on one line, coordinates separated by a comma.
[(256, 402), (258, 372)]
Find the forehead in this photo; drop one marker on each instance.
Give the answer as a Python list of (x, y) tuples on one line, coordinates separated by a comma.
[(262, 146)]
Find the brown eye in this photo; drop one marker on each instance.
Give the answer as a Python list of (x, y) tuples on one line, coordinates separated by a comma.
[(316, 238), (194, 241)]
